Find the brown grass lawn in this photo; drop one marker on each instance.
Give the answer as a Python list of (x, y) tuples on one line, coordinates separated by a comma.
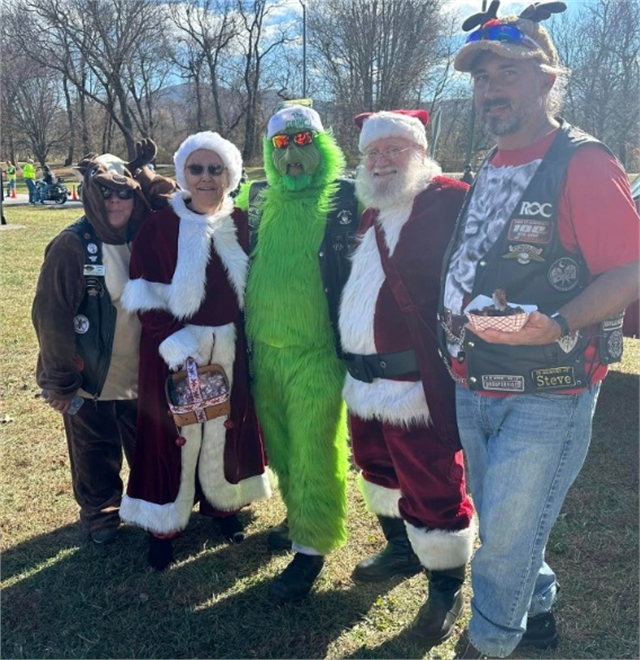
[(63, 597)]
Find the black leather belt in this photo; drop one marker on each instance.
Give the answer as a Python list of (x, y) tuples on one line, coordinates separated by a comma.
[(381, 365)]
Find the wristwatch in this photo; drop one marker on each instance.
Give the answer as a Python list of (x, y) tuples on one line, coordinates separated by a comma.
[(562, 322)]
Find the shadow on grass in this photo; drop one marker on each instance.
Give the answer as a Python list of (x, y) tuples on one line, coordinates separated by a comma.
[(65, 597)]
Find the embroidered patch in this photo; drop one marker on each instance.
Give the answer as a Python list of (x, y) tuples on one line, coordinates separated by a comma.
[(503, 383), (94, 269), (80, 324), (524, 253), (345, 217), (613, 324), (568, 343), (563, 274), (530, 231), (94, 286), (554, 378), (615, 345)]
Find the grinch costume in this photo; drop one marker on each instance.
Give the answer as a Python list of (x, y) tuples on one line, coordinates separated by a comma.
[(303, 221)]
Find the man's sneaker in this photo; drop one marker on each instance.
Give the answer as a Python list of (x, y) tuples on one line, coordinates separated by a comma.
[(541, 632)]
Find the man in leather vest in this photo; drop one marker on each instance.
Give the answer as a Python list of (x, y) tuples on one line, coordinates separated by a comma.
[(533, 225), (88, 342), (399, 395)]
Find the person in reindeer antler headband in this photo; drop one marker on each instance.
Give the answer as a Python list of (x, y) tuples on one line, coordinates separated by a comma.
[(398, 391), (88, 341), (532, 225)]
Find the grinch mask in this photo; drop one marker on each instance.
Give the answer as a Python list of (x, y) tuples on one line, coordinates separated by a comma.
[(296, 163)]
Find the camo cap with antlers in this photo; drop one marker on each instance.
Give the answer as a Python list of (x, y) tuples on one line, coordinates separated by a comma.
[(515, 37)]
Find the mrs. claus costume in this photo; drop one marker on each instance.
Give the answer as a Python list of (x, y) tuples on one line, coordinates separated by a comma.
[(399, 394), (188, 274)]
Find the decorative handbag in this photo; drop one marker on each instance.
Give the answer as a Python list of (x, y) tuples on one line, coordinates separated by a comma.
[(198, 394)]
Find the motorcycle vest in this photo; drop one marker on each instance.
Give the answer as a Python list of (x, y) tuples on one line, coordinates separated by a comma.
[(530, 262), (337, 244), (95, 320)]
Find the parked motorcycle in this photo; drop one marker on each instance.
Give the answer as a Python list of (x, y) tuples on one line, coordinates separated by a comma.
[(55, 192)]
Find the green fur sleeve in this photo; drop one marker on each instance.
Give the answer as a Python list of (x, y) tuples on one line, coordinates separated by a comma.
[(242, 198)]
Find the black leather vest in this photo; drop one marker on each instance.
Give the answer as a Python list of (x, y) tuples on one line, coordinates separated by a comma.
[(95, 320), (530, 262)]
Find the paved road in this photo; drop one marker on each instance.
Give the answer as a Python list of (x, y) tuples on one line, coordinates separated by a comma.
[(23, 200)]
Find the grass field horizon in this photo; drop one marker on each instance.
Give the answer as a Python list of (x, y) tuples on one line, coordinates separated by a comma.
[(64, 597)]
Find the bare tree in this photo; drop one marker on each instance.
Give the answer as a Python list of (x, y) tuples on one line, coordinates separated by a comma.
[(91, 43), (376, 54), (601, 47), (257, 46), (208, 28)]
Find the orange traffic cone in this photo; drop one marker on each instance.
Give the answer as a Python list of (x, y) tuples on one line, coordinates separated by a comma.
[(74, 197), (13, 193)]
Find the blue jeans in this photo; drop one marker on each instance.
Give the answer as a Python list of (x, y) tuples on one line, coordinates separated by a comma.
[(523, 453), (33, 194)]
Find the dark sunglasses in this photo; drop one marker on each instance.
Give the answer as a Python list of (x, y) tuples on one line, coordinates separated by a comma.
[(504, 33), (107, 193), (301, 139), (197, 170)]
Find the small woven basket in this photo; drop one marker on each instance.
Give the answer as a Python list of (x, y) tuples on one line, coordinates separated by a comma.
[(198, 394), (511, 323)]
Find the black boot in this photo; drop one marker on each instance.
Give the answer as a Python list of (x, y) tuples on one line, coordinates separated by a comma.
[(397, 558), (278, 538), (232, 528), (295, 582), (160, 552), (541, 633), (437, 616)]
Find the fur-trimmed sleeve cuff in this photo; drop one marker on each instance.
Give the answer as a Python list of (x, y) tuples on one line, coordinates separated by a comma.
[(141, 296), (176, 348)]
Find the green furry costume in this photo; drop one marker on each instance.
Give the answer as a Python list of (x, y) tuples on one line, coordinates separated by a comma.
[(298, 377)]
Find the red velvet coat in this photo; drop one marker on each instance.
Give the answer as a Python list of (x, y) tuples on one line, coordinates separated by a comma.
[(188, 274), (405, 314)]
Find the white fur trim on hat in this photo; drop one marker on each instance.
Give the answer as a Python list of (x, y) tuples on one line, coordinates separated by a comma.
[(227, 151), (294, 117), (391, 124)]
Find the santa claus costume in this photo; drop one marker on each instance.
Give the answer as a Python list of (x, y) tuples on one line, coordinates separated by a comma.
[(188, 274), (398, 391)]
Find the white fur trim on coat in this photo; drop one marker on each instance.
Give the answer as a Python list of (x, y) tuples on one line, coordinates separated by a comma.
[(396, 402), (440, 549), (227, 151), (380, 500), (203, 451), (391, 124), (184, 295)]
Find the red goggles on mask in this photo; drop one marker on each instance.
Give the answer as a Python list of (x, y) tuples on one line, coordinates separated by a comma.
[(301, 139)]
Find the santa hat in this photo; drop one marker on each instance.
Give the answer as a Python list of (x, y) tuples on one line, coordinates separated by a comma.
[(536, 44), (227, 151), (407, 124), (296, 117)]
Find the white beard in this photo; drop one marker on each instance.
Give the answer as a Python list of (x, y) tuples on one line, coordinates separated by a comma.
[(398, 189)]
